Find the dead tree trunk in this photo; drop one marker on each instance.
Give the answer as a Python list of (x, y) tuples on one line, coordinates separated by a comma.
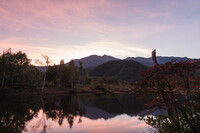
[(154, 57)]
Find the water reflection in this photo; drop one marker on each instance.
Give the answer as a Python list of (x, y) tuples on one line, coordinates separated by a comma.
[(78, 113)]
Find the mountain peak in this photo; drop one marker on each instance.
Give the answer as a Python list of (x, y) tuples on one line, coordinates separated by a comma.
[(94, 60)]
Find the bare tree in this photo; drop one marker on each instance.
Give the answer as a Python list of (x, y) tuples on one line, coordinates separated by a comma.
[(44, 67)]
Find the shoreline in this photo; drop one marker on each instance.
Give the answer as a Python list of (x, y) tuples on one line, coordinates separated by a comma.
[(60, 91)]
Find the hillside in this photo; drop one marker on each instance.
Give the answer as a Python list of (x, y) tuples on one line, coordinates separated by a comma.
[(126, 70), (93, 60)]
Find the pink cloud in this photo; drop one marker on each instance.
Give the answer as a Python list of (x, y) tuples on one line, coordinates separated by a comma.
[(64, 16), (42, 24), (45, 14)]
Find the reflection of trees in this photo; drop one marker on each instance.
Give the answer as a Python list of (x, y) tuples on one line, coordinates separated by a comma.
[(59, 109), (14, 113), (41, 121), (64, 108)]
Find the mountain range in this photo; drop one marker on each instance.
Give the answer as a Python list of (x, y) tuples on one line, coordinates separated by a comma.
[(160, 60), (95, 60), (126, 69)]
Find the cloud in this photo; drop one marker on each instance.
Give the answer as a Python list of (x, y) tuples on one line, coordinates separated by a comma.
[(112, 48), (122, 26), (73, 16), (69, 52)]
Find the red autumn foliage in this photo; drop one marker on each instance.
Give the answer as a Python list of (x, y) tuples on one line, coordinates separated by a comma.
[(173, 86)]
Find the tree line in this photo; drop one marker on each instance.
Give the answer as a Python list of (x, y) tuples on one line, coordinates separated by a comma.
[(16, 71), (69, 76)]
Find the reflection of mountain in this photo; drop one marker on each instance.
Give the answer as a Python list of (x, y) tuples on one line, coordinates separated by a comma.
[(108, 106), (96, 113), (16, 111)]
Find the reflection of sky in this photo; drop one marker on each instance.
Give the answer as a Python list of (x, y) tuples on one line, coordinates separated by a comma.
[(76, 28), (119, 124)]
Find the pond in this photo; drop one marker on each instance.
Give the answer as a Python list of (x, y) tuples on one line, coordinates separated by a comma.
[(86, 113)]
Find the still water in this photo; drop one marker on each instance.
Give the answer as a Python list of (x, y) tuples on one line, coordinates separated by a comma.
[(116, 113)]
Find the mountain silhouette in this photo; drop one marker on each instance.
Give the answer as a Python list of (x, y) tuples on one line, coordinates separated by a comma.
[(126, 70), (93, 60), (160, 60)]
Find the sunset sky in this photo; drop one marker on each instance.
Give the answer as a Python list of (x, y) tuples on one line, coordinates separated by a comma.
[(69, 29)]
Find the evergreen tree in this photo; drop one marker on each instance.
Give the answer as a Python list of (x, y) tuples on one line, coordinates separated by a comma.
[(16, 70)]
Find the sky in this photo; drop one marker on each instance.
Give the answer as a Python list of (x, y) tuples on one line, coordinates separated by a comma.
[(71, 29)]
